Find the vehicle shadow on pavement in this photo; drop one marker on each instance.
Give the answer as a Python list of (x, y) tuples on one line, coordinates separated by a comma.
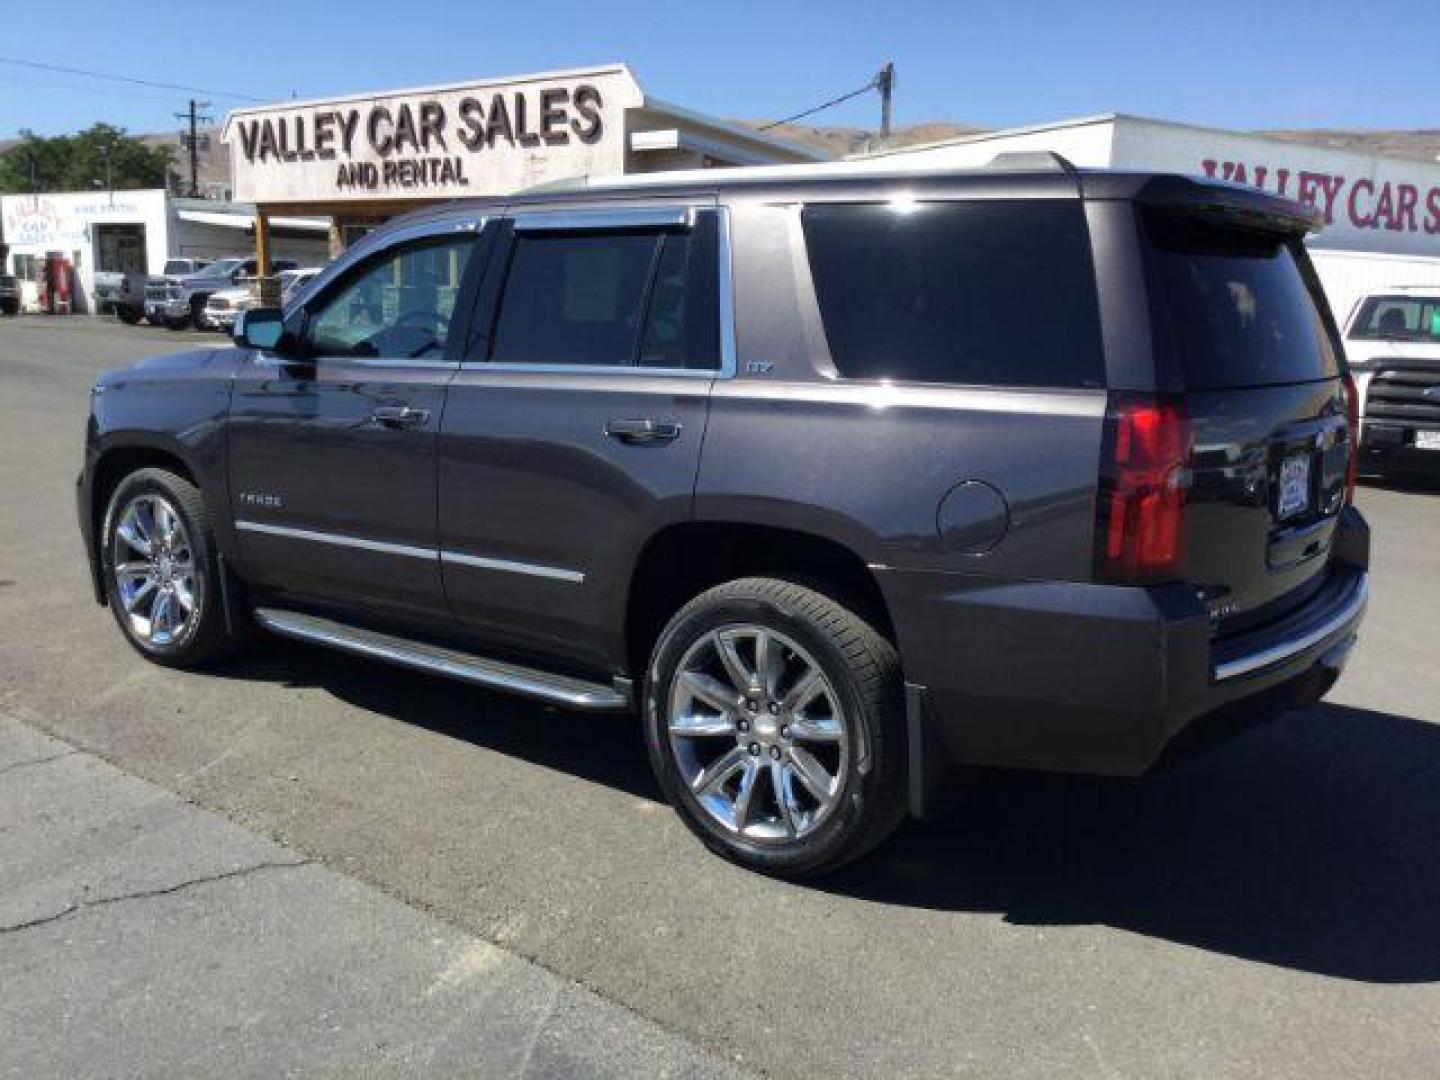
[(1404, 484), (1310, 843), (603, 748)]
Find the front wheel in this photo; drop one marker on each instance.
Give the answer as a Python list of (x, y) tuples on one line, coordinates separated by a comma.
[(128, 315), (163, 572), (775, 720)]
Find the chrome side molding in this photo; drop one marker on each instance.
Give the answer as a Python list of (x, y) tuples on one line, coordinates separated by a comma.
[(494, 674)]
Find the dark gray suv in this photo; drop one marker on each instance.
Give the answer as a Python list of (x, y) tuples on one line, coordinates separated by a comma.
[(836, 477)]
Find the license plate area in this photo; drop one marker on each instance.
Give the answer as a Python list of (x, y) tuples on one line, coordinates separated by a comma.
[(1293, 488), (1427, 440)]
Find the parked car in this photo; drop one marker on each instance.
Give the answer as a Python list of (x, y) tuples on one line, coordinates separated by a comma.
[(179, 301), (9, 294), (122, 292), (836, 478), (225, 305), (1392, 342), (175, 267)]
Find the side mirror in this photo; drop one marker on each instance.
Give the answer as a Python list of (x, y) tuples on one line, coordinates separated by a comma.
[(260, 328)]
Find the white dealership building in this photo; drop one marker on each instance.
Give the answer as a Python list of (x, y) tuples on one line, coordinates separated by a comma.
[(125, 231), (1381, 214)]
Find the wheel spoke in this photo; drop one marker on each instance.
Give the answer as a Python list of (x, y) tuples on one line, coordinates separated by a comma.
[(768, 662), (719, 771), (746, 795), (784, 798), (692, 726), (185, 596), (709, 690), (133, 599), (161, 614), (812, 774), (133, 569), (805, 690), (133, 533), (741, 676), (816, 729)]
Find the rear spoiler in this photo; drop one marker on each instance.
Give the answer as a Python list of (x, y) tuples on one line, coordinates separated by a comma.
[(1240, 205)]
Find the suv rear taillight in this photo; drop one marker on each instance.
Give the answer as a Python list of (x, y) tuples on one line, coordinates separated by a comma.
[(1145, 473), (1352, 414)]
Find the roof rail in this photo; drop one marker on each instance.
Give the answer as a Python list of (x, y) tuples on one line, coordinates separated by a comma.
[(1033, 161)]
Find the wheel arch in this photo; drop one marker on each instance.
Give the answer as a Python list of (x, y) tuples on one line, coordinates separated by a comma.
[(686, 558), (111, 466)]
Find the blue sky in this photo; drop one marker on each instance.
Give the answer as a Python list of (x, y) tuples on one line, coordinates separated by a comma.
[(1261, 63)]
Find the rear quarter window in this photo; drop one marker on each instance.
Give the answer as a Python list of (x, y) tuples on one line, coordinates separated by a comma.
[(1235, 305), (998, 293)]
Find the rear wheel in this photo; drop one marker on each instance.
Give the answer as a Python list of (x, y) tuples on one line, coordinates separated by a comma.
[(128, 315), (774, 720), (162, 571)]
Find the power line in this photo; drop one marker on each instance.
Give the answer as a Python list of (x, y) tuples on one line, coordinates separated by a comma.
[(882, 81), (129, 79)]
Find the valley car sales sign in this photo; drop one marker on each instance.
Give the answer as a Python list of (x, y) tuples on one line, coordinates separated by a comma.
[(445, 142)]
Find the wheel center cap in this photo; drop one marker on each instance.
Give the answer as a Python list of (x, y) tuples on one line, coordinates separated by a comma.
[(766, 726)]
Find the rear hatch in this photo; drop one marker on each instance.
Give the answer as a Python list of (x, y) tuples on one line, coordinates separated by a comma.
[(1243, 327)]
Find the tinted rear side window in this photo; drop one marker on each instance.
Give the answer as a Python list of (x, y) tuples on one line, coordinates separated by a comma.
[(992, 293), (1235, 305)]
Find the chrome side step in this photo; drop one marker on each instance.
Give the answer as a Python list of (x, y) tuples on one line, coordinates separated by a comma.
[(494, 674)]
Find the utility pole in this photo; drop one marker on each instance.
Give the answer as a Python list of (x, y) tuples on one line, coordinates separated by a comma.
[(109, 182), (885, 83), (194, 116)]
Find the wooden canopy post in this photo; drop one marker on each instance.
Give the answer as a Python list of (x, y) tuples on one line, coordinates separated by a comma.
[(269, 284)]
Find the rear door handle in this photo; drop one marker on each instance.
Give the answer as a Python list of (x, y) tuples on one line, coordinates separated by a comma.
[(398, 416), (639, 432)]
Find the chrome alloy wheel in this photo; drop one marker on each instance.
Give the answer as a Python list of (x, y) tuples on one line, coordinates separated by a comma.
[(759, 733), (156, 580)]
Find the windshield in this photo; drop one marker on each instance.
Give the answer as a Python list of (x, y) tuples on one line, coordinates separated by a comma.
[(223, 267), (1398, 318), (1236, 306)]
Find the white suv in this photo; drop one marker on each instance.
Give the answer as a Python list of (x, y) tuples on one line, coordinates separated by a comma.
[(1392, 342)]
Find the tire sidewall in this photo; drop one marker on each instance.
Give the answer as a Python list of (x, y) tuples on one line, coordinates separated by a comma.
[(824, 845), (161, 483)]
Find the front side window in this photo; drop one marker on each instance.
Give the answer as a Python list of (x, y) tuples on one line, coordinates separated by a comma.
[(1398, 318), (610, 299), (984, 292), (398, 306)]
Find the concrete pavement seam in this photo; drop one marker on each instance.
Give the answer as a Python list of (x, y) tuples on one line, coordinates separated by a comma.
[(39, 761), (147, 894)]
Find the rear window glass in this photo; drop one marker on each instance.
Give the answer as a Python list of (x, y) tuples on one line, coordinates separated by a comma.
[(991, 293), (1398, 318), (1236, 305)]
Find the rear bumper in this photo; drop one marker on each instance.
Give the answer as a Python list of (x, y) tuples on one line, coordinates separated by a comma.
[(1073, 677)]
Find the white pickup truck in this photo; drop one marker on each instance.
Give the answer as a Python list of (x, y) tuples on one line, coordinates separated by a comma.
[(1392, 342)]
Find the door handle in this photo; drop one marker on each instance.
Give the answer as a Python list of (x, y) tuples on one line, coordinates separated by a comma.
[(398, 416), (642, 432)]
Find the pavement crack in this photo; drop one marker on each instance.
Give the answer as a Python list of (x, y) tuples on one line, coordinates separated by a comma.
[(39, 761), (148, 894)]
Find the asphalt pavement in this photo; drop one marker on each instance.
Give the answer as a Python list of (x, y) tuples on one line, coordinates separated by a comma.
[(1270, 910)]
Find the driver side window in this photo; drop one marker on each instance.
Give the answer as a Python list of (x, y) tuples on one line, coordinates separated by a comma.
[(398, 307)]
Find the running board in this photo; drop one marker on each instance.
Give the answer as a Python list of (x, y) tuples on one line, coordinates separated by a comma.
[(493, 674)]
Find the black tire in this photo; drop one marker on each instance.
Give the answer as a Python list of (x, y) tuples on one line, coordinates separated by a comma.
[(129, 316), (197, 313), (206, 637), (864, 670)]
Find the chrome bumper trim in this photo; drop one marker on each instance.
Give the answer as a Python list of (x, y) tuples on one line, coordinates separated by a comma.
[(1278, 654)]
